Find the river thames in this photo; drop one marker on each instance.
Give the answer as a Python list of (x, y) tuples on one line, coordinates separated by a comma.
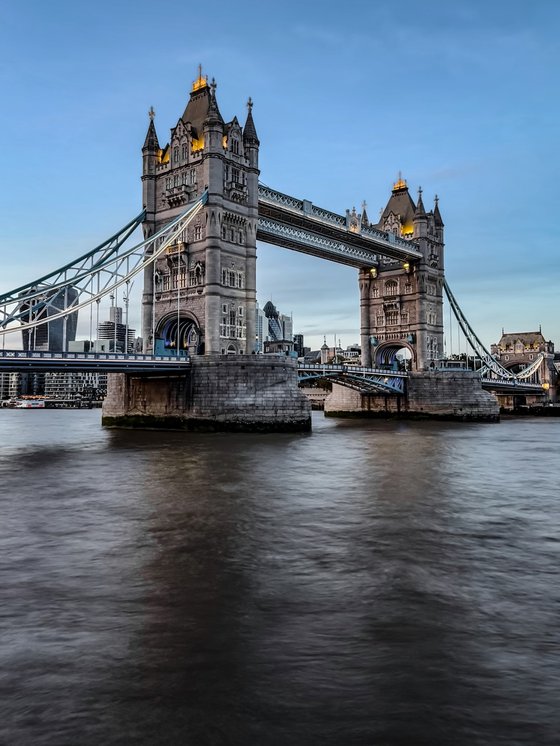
[(370, 583)]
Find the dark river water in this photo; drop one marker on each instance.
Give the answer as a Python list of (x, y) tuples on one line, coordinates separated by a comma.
[(369, 583)]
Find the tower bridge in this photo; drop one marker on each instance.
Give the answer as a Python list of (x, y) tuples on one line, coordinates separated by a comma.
[(204, 210)]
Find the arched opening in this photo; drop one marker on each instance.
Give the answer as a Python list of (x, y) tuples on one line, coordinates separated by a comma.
[(394, 356), (178, 334)]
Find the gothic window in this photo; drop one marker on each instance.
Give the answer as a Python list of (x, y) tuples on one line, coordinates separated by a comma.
[(392, 318), (391, 287), (224, 232), (235, 175), (235, 146), (375, 293), (184, 177), (192, 176), (231, 238), (197, 232), (240, 237), (404, 318), (184, 152), (408, 288), (380, 320), (165, 282), (176, 180), (168, 183), (176, 154)]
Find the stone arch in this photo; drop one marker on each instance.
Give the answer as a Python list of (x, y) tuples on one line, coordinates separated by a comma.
[(180, 331), (387, 354)]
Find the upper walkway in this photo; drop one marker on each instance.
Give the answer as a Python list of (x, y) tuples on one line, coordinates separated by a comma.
[(302, 226)]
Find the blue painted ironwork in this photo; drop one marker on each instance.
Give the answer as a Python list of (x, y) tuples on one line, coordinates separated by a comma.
[(94, 275), (365, 380), (299, 225), (100, 362)]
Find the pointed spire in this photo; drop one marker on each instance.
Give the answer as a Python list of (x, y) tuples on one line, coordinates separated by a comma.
[(213, 114), (249, 131), (437, 215), (151, 141), (420, 212), (365, 219)]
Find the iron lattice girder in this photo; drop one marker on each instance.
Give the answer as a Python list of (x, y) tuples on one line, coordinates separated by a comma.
[(299, 225), (364, 380), (95, 275)]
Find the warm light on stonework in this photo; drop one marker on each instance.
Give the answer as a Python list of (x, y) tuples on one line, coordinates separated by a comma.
[(224, 142), (197, 144), (373, 272)]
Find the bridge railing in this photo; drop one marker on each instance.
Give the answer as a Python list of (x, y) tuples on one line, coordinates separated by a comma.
[(266, 194), (354, 369), (90, 356)]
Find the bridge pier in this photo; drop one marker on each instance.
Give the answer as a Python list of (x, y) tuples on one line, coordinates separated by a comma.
[(431, 395), (253, 393)]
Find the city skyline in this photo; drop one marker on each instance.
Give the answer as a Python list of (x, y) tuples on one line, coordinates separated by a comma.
[(457, 99)]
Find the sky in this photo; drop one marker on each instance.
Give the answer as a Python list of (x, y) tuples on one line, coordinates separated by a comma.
[(460, 97)]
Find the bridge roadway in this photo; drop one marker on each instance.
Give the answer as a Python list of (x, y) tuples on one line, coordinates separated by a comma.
[(302, 226), (359, 378), (25, 361)]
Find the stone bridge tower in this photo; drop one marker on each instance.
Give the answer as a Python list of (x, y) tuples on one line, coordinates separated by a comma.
[(201, 296), (402, 304)]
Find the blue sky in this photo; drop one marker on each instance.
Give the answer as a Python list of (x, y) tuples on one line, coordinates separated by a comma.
[(461, 97)]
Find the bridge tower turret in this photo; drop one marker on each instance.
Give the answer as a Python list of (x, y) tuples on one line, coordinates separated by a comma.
[(402, 303), (201, 296)]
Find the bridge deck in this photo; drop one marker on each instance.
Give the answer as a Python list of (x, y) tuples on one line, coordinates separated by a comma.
[(23, 361)]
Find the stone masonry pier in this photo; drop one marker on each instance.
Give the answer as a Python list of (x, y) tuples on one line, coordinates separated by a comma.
[(433, 395), (255, 393)]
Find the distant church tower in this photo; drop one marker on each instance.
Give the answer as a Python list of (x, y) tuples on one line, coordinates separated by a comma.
[(402, 304), (202, 296)]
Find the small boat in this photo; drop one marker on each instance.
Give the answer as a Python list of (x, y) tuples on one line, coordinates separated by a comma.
[(30, 404)]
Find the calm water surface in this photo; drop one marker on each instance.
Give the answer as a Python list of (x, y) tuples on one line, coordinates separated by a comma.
[(371, 583)]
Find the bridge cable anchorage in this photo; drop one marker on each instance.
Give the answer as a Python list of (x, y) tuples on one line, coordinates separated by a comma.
[(491, 369), (91, 277)]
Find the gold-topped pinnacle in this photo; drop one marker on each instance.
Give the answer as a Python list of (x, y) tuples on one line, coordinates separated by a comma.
[(200, 82), (400, 183)]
